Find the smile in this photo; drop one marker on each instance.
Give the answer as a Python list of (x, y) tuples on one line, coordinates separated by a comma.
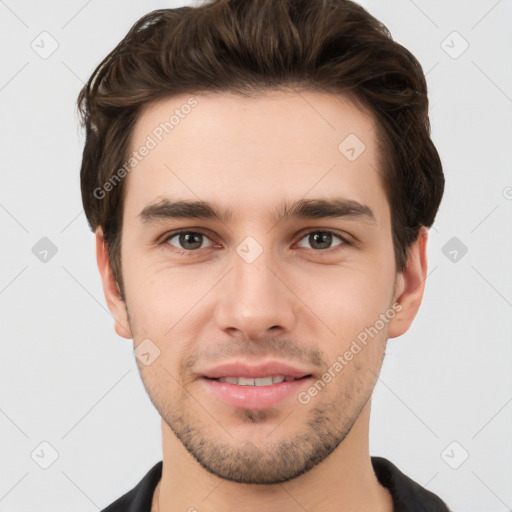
[(257, 381)]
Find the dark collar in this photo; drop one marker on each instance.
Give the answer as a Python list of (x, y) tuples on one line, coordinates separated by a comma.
[(408, 496)]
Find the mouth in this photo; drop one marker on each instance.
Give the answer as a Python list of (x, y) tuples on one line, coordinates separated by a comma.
[(245, 386), (258, 381)]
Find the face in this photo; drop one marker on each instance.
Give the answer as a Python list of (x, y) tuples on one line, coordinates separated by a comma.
[(227, 299)]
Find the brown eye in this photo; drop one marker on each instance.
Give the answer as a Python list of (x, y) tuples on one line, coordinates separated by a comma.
[(187, 240), (322, 240)]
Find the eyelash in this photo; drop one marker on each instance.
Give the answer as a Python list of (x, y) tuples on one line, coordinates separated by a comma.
[(192, 252)]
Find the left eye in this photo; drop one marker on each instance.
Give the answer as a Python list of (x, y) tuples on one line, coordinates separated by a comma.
[(323, 239)]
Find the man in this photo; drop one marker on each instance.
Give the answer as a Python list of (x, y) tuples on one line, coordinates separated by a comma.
[(260, 179)]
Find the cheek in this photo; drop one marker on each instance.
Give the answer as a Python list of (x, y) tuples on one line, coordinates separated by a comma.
[(159, 294), (168, 307), (346, 298), (160, 381)]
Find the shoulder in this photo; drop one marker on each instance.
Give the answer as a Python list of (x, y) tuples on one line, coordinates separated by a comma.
[(407, 494)]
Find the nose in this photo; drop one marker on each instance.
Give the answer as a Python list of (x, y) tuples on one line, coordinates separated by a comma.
[(255, 299)]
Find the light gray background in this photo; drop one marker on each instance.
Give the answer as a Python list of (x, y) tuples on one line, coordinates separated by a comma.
[(68, 380)]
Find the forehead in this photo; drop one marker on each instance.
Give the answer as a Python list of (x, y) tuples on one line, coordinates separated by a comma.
[(269, 147)]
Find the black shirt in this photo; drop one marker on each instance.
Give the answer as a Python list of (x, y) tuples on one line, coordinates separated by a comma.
[(408, 496)]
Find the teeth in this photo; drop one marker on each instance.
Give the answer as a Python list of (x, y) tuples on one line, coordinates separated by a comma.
[(263, 381), (258, 381), (231, 380)]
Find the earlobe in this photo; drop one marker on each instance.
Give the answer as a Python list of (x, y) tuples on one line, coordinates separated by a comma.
[(410, 286), (111, 289), (122, 331)]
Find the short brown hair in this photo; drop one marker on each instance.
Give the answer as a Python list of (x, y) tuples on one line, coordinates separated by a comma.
[(250, 46)]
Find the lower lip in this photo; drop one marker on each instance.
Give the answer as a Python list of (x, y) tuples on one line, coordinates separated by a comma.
[(254, 397)]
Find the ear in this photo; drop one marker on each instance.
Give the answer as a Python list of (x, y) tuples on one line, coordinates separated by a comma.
[(410, 285), (110, 288)]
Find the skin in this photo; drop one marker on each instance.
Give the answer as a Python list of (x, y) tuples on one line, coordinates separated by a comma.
[(249, 154)]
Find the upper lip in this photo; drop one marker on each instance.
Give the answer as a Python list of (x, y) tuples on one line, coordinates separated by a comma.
[(244, 369)]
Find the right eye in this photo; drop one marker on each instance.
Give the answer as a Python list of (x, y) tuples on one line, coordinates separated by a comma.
[(189, 241)]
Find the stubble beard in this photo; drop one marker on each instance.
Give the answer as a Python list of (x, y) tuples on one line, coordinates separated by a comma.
[(275, 462)]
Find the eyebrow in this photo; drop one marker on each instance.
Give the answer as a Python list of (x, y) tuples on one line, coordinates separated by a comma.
[(301, 209)]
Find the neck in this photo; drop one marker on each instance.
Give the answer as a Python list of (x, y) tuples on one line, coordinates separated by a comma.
[(344, 481)]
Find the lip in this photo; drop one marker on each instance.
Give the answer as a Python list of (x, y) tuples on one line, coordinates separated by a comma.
[(267, 369), (254, 397)]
